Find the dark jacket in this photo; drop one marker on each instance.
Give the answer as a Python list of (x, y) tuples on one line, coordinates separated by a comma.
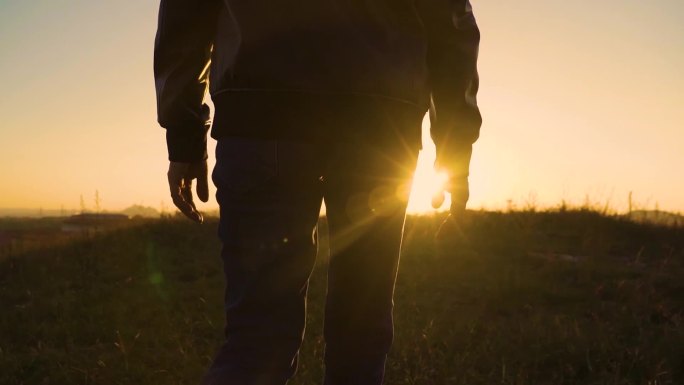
[(282, 68)]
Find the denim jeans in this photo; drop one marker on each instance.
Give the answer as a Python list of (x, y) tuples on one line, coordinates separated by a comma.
[(270, 195)]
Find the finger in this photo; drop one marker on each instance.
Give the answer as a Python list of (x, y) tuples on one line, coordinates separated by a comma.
[(176, 191), (459, 192), (186, 192), (457, 210), (175, 183), (176, 173), (459, 199), (437, 165), (178, 199), (186, 208), (177, 187), (203, 185), (437, 199)]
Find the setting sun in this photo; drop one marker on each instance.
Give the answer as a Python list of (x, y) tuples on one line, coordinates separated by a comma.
[(426, 181)]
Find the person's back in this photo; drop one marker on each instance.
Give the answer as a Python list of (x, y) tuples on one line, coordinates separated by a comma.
[(341, 47), (274, 61), (313, 99)]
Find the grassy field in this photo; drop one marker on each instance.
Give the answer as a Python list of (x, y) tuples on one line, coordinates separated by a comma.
[(568, 297)]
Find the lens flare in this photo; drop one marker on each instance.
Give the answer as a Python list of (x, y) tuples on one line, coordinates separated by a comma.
[(427, 185)]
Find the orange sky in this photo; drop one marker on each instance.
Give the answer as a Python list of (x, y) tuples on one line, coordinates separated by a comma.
[(579, 101)]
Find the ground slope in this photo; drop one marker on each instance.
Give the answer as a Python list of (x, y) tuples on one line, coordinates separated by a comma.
[(520, 298)]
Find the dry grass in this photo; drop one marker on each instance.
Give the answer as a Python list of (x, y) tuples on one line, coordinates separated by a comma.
[(524, 297)]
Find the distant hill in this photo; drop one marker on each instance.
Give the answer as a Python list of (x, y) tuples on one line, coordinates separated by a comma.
[(140, 211)]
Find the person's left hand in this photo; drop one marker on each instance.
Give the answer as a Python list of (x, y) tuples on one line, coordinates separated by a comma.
[(180, 176), (459, 190)]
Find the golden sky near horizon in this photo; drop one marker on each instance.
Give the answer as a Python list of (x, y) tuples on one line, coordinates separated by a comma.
[(578, 101)]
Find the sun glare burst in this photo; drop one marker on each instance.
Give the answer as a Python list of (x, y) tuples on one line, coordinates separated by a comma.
[(426, 183)]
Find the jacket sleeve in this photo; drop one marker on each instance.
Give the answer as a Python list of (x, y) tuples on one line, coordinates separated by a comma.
[(182, 54), (453, 43)]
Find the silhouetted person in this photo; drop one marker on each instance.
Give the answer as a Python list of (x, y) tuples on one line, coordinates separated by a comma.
[(314, 99)]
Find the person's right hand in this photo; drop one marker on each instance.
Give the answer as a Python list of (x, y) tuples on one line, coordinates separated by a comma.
[(180, 176)]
